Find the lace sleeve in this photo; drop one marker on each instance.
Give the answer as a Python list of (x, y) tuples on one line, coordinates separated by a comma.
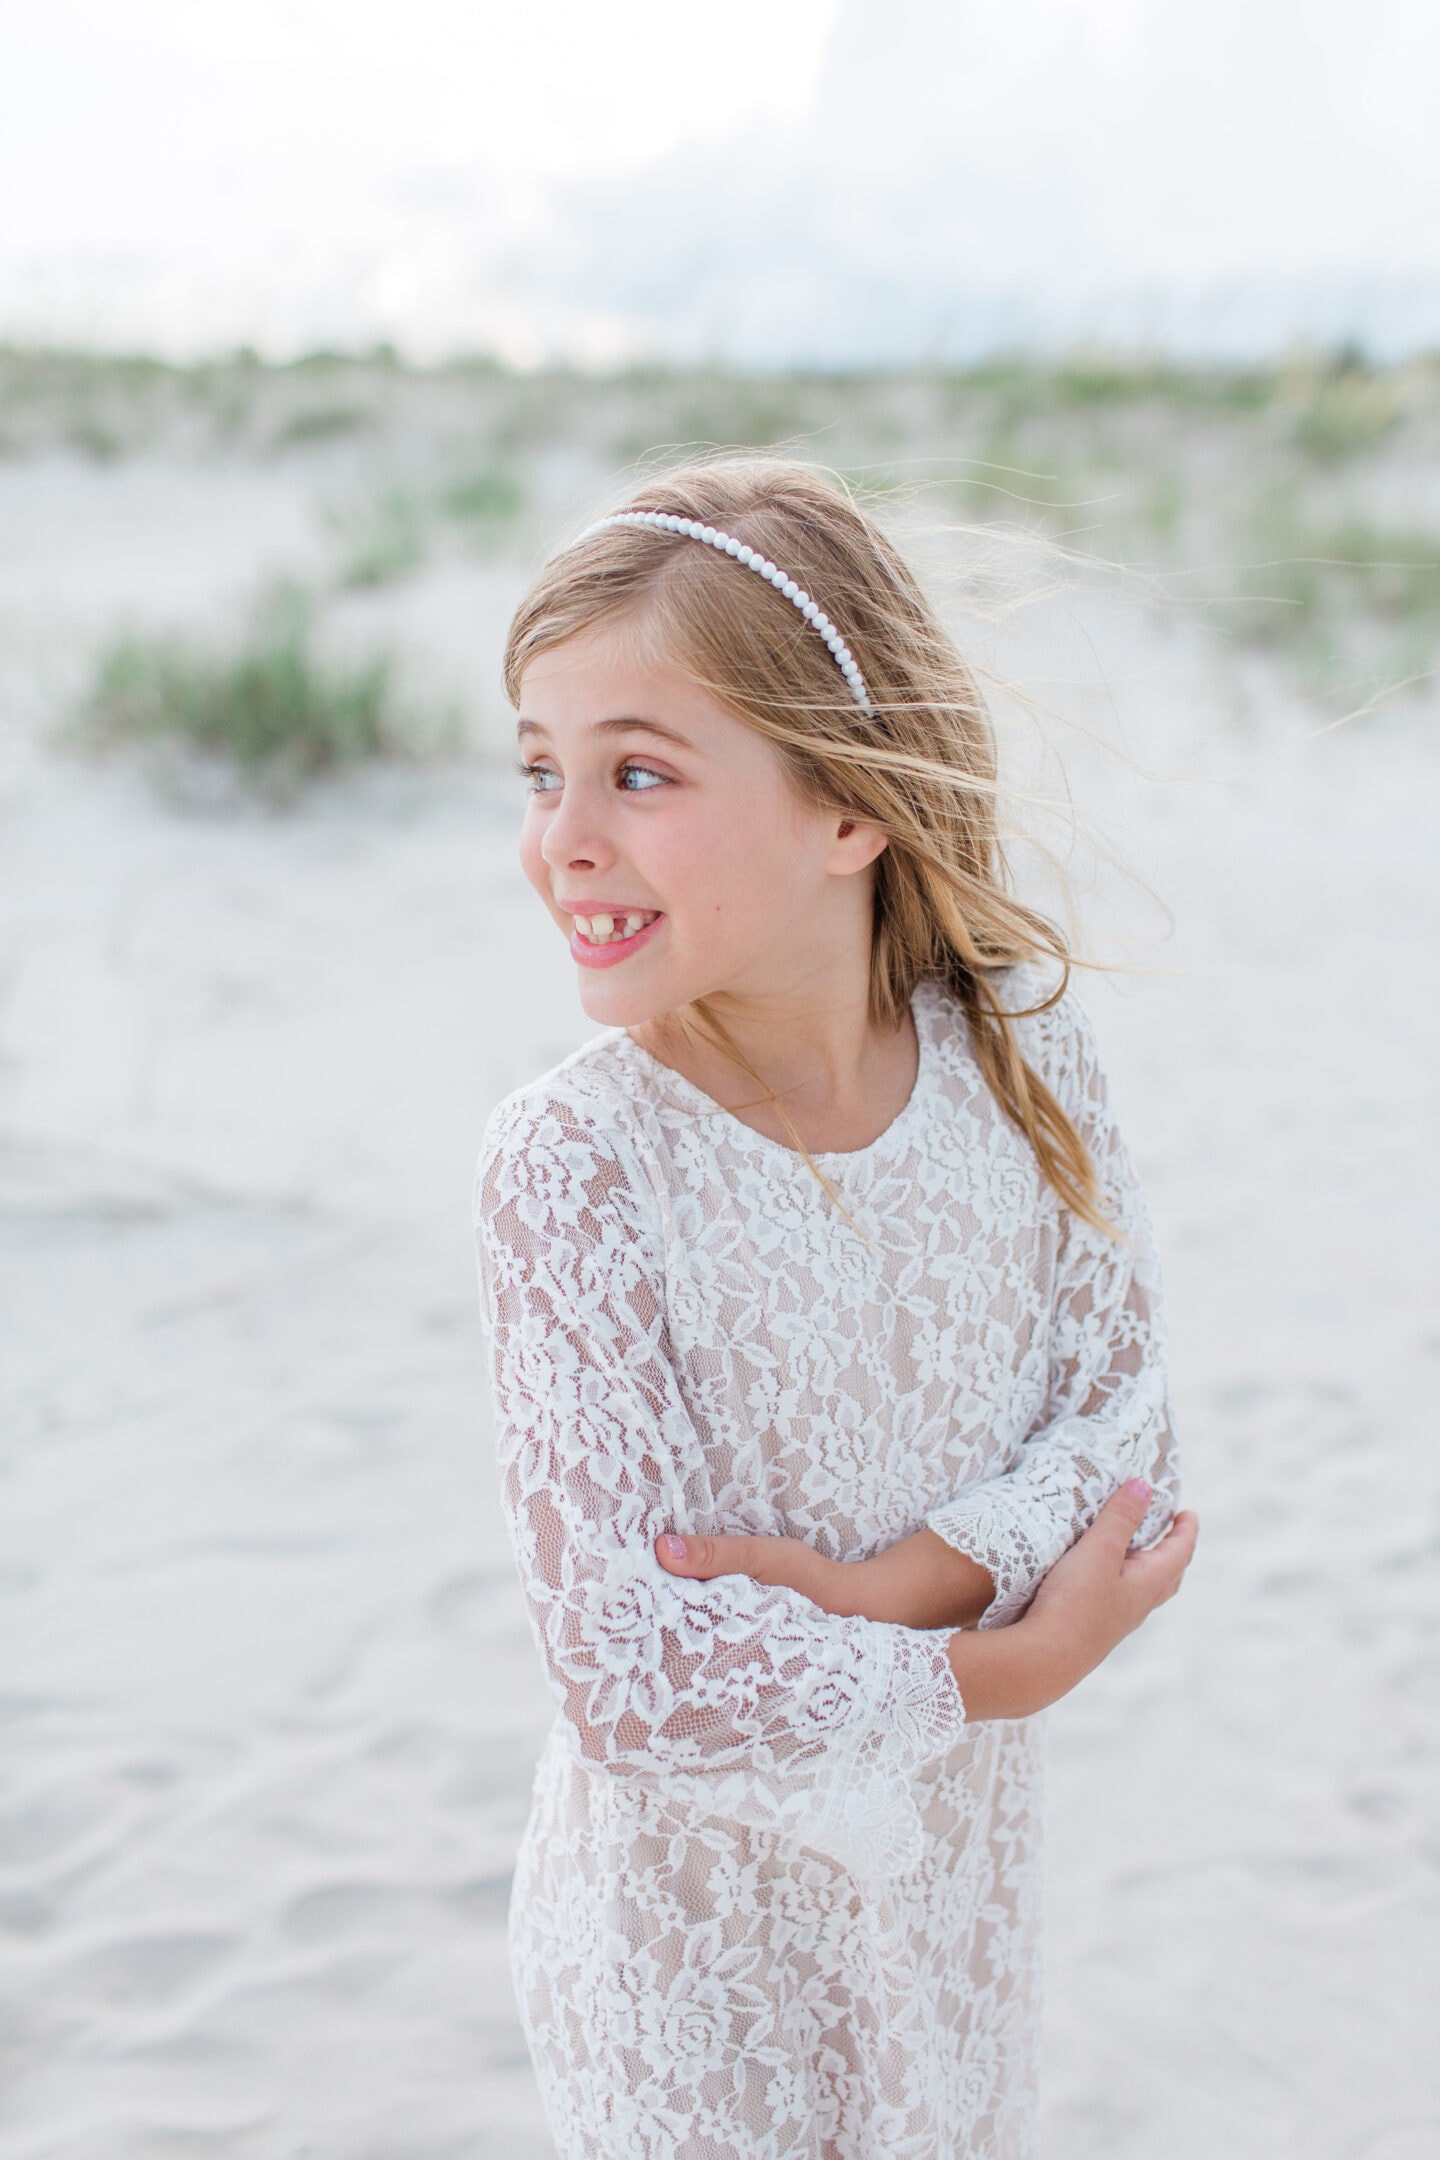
[(1107, 1417), (750, 1700)]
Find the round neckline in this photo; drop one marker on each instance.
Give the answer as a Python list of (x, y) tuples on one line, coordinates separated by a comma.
[(697, 1099)]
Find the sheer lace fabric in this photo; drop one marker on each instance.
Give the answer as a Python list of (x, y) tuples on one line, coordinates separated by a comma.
[(775, 1898)]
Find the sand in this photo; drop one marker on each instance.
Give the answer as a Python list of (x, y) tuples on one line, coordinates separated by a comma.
[(270, 1705)]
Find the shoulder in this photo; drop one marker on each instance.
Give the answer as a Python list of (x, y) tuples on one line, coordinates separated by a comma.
[(571, 1135), (1053, 1032)]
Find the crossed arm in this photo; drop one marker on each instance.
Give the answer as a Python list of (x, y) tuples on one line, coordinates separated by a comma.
[(1096, 1594), (921, 1582)]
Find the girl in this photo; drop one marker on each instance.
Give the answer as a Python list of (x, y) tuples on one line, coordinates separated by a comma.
[(826, 1352)]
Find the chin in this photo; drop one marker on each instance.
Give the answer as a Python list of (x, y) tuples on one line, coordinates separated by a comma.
[(615, 1004)]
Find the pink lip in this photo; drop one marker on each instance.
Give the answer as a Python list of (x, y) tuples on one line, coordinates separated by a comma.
[(602, 956)]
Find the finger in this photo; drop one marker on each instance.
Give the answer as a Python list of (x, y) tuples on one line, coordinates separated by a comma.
[(1118, 1520), (701, 1557), (1160, 1569)]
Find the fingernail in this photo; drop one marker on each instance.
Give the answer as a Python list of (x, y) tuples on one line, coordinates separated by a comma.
[(1139, 1488), (674, 1547)]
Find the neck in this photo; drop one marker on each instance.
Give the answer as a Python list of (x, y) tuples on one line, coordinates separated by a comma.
[(806, 1066)]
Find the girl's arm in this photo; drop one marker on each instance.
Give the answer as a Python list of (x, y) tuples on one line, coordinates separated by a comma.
[(921, 1582), (1093, 1597), (1106, 1420)]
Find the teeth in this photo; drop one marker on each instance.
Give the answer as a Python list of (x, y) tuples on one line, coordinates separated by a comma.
[(607, 929)]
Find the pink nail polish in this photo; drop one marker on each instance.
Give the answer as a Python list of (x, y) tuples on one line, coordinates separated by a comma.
[(1139, 1488), (674, 1547)]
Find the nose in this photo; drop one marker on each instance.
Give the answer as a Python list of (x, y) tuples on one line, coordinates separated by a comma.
[(574, 836)]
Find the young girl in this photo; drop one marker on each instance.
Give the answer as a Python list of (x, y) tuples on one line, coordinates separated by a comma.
[(827, 1353)]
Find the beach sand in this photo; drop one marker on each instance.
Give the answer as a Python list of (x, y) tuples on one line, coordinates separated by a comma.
[(270, 1704)]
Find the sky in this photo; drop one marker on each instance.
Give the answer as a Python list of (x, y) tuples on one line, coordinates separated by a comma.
[(803, 180)]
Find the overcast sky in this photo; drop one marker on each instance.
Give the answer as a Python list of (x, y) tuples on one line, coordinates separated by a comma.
[(767, 178)]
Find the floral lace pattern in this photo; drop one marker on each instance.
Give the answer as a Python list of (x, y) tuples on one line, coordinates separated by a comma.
[(775, 1898)]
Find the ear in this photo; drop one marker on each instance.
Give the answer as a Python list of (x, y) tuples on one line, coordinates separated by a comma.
[(855, 847)]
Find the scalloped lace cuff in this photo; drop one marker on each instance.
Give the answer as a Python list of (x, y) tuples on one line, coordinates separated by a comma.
[(865, 1811), (1008, 1534)]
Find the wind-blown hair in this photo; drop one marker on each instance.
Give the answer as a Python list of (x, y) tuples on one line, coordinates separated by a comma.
[(923, 769)]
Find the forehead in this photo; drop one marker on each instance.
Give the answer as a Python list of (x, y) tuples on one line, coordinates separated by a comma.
[(605, 654), (603, 680)]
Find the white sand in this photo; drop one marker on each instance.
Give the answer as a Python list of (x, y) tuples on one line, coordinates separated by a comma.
[(270, 1705)]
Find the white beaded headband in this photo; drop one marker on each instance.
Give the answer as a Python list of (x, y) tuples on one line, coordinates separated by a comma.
[(752, 559)]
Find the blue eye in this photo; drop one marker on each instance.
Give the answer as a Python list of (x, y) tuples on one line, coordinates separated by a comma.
[(540, 778)]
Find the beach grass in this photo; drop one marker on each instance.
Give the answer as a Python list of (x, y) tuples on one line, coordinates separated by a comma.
[(484, 503), (1355, 566), (1289, 501), (382, 538), (1350, 606), (270, 707), (322, 424)]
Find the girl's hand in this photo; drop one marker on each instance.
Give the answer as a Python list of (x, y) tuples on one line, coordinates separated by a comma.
[(1095, 1595), (922, 1582)]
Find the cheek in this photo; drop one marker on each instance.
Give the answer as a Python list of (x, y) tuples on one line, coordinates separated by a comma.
[(697, 870), (732, 858), (532, 861)]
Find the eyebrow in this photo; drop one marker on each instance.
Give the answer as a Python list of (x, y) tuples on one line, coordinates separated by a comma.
[(626, 725)]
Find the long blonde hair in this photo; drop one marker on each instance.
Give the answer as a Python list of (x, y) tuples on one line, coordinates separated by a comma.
[(923, 770)]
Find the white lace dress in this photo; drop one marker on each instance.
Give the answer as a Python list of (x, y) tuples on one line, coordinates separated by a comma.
[(775, 1897)]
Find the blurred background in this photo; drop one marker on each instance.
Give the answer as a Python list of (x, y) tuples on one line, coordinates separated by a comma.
[(319, 328)]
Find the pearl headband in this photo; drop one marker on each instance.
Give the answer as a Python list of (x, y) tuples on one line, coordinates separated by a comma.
[(752, 559)]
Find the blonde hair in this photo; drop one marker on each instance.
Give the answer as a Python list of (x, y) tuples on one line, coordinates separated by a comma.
[(923, 769)]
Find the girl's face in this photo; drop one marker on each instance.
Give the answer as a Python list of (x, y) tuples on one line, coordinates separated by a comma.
[(669, 845)]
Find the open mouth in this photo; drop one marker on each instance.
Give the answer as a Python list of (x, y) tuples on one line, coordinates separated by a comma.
[(601, 940), (613, 929)]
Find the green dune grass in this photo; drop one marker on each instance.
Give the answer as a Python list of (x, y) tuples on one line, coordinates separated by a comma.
[(271, 706)]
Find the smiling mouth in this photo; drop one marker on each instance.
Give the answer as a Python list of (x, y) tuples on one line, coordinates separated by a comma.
[(613, 929)]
